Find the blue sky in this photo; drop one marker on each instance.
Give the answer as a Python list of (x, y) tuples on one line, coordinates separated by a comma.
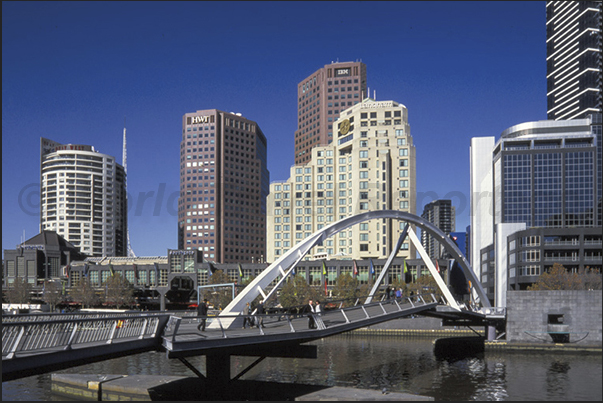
[(71, 72)]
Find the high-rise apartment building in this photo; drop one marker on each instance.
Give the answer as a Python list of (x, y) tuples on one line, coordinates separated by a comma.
[(573, 49), (224, 182), (440, 213), (320, 99), (369, 166), (83, 198)]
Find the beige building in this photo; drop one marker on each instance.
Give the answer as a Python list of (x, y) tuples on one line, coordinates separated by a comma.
[(370, 165)]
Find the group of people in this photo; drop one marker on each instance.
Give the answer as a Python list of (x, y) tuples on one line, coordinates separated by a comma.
[(313, 307), (393, 292)]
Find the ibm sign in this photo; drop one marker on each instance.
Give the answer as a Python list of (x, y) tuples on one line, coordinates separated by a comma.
[(342, 72)]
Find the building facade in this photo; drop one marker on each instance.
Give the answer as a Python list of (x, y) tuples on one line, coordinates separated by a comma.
[(545, 181), (369, 166), (224, 181), (320, 98), (83, 198), (440, 213), (573, 50)]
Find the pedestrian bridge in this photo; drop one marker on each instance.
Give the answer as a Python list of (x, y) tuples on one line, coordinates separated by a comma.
[(34, 344)]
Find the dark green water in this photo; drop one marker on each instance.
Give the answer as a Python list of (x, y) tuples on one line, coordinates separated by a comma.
[(396, 363)]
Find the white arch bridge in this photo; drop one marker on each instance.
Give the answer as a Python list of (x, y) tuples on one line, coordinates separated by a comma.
[(285, 264)]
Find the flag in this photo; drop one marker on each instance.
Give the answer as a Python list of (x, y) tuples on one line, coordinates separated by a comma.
[(407, 277), (86, 267), (67, 271), (112, 270), (355, 268), (437, 266), (372, 267), (324, 273), (240, 271), (293, 271), (135, 271), (210, 269)]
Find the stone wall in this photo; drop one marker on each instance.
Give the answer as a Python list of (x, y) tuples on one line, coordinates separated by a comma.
[(532, 315)]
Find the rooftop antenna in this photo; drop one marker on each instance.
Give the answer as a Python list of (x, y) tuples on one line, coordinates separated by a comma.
[(124, 161)]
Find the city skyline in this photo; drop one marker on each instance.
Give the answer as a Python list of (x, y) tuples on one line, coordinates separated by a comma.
[(73, 71)]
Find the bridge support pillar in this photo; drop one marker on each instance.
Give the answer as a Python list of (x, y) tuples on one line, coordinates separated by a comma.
[(490, 332), (217, 369)]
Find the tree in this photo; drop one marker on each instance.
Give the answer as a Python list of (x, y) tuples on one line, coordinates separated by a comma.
[(558, 278), (52, 294), (221, 296), (346, 288), (19, 292), (425, 284), (120, 291), (297, 292), (84, 293)]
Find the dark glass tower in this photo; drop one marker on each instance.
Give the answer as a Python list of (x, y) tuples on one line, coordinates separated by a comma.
[(573, 49)]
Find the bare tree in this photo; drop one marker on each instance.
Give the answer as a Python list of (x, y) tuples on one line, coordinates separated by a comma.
[(120, 291), (84, 293), (52, 294), (19, 292), (221, 296)]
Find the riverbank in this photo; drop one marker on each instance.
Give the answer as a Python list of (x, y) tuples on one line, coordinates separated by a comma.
[(161, 387)]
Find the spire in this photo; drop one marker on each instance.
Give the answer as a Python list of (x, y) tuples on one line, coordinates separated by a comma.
[(124, 162)]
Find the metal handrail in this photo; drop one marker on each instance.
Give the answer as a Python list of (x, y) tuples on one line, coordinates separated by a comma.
[(69, 333)]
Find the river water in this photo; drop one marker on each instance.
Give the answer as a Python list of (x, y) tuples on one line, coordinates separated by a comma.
[(396, 363)]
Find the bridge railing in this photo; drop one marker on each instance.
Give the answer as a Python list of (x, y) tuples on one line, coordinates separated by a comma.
[(228, 326), (65, 334)]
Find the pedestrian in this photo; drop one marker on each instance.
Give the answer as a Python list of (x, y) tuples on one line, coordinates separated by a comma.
[(317, 308), (399, 293), (310, 311), (387, 290), (246, 319), (202, 314), (260, 311)]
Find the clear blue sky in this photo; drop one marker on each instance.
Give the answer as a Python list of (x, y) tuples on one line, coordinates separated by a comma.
[(71, 72)]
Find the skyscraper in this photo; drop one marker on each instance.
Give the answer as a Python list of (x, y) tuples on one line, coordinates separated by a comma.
[(440, 213), (83, 198), (573, 49), (370, 166), (320, 98), (224, 182)]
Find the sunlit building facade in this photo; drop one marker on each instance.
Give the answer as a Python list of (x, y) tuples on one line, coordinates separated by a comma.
[(224, 182), (83, 198), (320, 98), (370, 165)]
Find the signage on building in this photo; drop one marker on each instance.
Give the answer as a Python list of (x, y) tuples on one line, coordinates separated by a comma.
[(198, 119), (342, 72), (375, 105)]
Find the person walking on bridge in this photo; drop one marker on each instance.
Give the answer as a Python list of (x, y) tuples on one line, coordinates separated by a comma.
[(310, 310), (202, 314)]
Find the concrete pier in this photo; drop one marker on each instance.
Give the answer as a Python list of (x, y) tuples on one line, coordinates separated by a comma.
[(159, 387)]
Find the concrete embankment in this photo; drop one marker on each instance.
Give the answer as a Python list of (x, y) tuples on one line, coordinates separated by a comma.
[(159, 387)]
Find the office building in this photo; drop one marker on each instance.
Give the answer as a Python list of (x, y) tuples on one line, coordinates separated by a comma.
[(83, 198), (224, 182), (573, 50), (320, 98), (369, 166), (440, 213), (545, 191)]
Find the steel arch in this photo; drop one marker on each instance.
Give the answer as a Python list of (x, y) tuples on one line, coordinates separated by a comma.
[(285, 263)]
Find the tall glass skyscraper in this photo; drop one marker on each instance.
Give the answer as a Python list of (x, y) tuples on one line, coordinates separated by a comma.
[(573, 48), (546, 174)]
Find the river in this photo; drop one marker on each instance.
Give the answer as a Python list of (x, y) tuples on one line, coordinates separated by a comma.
[(396, 363)]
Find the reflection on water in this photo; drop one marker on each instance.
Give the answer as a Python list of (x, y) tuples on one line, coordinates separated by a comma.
[(395, 363)]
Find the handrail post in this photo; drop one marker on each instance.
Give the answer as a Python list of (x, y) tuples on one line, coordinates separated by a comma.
[(176, 326), (71, 337), (290, 324), (110, 341), (365, 312), (345, 316), (144, 328), (382, 308), (221, 327), (16, 343)]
